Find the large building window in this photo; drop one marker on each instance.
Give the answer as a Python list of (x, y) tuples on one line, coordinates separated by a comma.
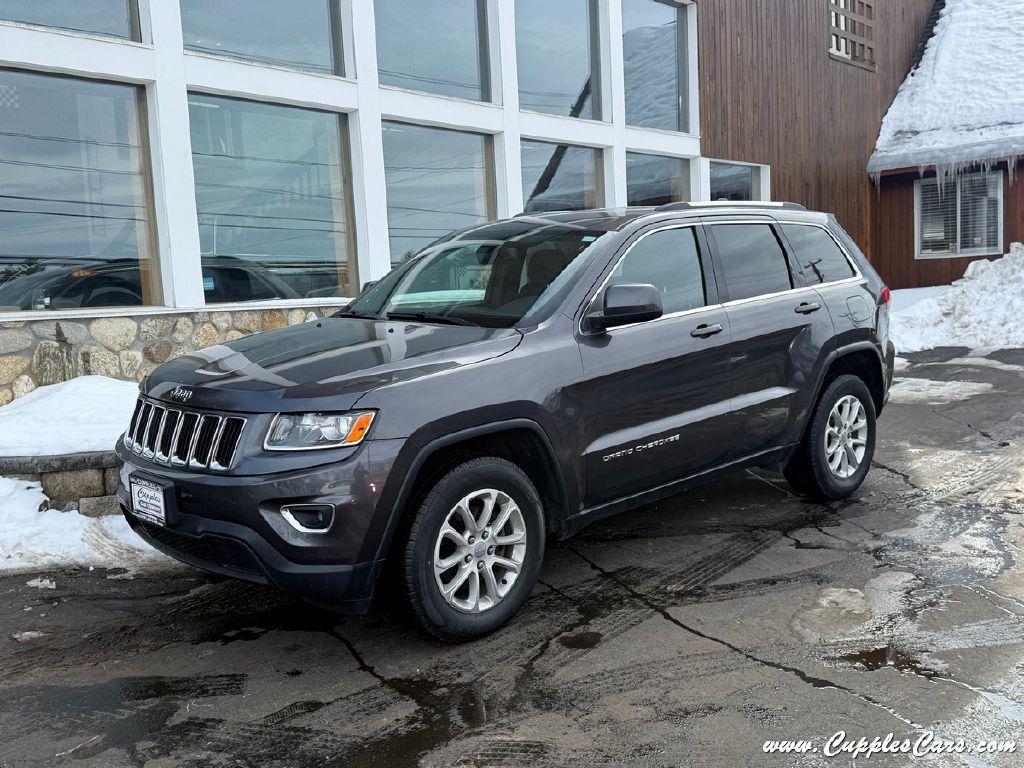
[(104, 17), (656, 180), (560, 177), (961, 217), (735, 181), (74, 195), (653, 49), (556, 45), (437, 181), (437, 46), (302, 34), (273, 200)]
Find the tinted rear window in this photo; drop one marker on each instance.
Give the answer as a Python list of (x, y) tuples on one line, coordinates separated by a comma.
[(752, 259), (821, 259)]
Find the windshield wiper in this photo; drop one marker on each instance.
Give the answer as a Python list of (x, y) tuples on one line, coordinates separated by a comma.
[(425, 317), (346, 312)]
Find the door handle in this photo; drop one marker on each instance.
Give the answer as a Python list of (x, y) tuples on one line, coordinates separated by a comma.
[(704, 330), (806, 307)]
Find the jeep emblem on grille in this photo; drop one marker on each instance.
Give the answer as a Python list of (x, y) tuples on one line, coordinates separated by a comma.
[(180, 393)]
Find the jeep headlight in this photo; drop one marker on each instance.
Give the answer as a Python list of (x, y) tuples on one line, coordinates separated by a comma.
[(309, 431)]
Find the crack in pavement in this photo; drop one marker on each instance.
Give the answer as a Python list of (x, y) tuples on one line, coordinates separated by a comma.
[(902, 475), (815, 682)]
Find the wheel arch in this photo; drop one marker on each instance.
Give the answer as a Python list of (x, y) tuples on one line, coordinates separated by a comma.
[(521, 441)]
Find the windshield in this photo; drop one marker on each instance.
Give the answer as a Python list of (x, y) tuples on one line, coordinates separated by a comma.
[(473, 279)]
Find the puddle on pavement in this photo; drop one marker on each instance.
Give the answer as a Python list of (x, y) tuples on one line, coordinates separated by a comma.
[(581, 641), (887, 656)]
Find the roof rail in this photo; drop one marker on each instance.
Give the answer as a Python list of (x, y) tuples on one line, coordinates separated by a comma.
[(730, 204)]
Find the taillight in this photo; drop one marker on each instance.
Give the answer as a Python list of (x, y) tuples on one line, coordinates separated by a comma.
[(885, 298)]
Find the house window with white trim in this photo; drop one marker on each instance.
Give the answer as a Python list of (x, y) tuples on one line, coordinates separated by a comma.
[(961, 217), (852, 31)]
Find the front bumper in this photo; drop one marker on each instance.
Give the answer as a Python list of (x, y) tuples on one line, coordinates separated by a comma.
[(232, 525)]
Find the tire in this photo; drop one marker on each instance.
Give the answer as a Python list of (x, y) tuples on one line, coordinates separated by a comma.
[(472, 485), (809, 471)]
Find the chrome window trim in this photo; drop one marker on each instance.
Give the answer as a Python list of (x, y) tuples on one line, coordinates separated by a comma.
[(590, 302), (857, 276)]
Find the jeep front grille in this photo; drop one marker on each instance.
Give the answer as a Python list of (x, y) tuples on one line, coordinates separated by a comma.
[(185, 439)]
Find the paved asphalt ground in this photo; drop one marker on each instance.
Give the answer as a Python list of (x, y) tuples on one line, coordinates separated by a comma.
[(684, 634)]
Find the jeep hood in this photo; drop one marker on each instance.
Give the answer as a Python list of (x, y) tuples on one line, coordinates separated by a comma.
[(323, 365)]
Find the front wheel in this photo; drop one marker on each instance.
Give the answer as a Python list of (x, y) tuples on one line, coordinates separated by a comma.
[(474, 549), (835, 455)]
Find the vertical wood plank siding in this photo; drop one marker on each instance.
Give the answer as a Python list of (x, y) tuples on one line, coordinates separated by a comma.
[(894, 248), (770, 93)]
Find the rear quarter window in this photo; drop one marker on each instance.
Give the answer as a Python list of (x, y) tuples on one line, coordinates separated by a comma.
[(752, 260), (820, 258)]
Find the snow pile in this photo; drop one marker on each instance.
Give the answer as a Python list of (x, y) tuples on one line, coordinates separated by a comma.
[(964, 103), (85, 414), (31, 539), (982, 310)]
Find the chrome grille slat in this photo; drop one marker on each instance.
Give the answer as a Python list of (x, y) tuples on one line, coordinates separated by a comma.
[(183, 438)]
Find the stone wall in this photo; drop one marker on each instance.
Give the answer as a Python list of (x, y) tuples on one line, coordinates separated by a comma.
[(35, 353)]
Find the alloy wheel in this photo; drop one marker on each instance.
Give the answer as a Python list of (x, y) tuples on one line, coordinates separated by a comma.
[(479, 551), (846, 437)]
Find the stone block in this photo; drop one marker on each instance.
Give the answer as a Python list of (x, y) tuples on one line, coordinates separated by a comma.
[(15, 341), (155, 328), (23, 385), (51, 363), (296, 316), (131, 362), (111, 480), (11, 367), (206, 335), (273, 319), (182, 330), (247, 321), (98, 361), (5, 396), (72, 333), (232, 335), (157, 351), (99, 506), (222, 320), (114, 333), (73, 484)]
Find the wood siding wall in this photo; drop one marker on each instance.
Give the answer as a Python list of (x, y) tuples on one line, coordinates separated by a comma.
[(893, 255), (770, 93)]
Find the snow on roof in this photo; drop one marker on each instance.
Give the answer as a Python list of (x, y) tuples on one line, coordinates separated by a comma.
[(964, 104)]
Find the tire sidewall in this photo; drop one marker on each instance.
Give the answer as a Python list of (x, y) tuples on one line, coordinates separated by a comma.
[(831, 486), (443, 619)]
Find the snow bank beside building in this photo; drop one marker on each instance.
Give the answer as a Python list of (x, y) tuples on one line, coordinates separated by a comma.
[(982, 310), (84, 414), (964, 103), (32, 540)]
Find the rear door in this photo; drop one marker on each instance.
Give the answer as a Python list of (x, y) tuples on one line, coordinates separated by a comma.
[(655, 394), (829, 269), (779, 329)]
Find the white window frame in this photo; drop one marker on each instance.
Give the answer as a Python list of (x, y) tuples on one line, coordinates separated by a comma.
[(956, 187), (167, 73), (764, 178)]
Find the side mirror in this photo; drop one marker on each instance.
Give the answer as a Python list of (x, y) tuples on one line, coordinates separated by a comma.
[(625, 304)]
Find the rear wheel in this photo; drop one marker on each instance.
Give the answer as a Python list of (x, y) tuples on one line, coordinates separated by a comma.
[(837, 449), (474, 549)]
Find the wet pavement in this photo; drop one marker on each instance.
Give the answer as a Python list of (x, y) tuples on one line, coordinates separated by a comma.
[(687, 633)]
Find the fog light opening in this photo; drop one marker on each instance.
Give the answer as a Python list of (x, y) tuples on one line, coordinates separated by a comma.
[(309, 518)]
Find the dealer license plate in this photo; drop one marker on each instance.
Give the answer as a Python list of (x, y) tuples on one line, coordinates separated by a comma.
[(147, 500)]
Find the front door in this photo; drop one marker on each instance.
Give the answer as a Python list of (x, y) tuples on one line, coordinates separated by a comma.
[(778, 331), (656, 394)]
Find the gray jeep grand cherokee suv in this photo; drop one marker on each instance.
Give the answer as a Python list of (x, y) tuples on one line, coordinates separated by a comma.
[(514, 381)]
